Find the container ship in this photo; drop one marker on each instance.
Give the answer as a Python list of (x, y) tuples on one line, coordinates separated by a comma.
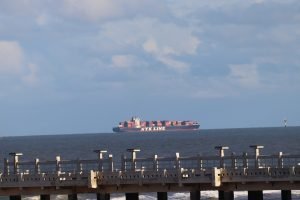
[(137, 125)]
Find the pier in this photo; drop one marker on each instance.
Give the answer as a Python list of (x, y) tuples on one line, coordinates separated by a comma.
[(223, 171)]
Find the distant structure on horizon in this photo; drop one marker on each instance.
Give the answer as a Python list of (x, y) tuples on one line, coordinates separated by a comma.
[(285, 122)]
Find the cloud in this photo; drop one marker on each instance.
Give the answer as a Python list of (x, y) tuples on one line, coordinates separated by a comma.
[(245, 74), (31, 78), (41, 20), (151, 37), (21, 7), (94, 10), (13, 63), (195, 7), (150, 46), (176, 65), (11, 57), (124, 61), (197, 39), (164, 52)]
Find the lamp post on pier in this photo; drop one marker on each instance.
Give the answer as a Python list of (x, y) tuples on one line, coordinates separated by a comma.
[(221, 154), (256, 152), (100, 157), (15, 161), (133, 157)]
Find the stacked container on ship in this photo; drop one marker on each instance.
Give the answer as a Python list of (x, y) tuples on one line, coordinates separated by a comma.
[(137, 125)]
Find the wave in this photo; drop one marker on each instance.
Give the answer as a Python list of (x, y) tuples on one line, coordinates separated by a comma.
[(205, 195)]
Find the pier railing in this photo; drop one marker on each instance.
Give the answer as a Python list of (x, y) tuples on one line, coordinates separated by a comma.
[(131, 169), (132, 163)]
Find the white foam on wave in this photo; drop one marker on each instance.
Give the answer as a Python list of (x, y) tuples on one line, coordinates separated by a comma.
[(58, 197), (150, 196), (272, 194), (117, 196), (240, 195), (296, 194), (211, 195), (31, 197), (177, 196)]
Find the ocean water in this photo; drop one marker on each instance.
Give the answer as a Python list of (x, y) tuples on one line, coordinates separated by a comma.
[(203, 142)]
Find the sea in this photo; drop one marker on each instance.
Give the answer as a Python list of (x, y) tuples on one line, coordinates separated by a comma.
[(74, 146)]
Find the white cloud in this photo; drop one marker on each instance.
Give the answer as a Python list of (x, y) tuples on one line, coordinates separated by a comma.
[(172, 85), (176, 65), (124, 61), (41, 20), (11, 57), (92, 9), (152, 37), (31, 77), (20, 7), (126, 36), (183, 8), (13, 63), (150, 46), (245, 74), (212, 88)]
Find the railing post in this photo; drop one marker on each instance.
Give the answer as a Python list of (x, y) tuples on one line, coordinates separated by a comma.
[(6, 167), (58, 169), (123, 162), (37, 166), (233, 161), (256, 151), (111, 163), (245, 160), (280, 160), (16, 161), (221, 154), (155, 163), (79, 166), (100, 157), (177, 161), (199, 162), (133, 158)]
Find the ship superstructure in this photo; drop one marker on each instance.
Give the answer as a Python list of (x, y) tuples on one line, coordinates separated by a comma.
[(135, 124)]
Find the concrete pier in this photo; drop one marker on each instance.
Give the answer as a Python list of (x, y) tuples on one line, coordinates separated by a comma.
[(195, 195), (72, 197), (286, 194), (103, 196), (255, 195), (226, 195), (132, 196), (225, 172), (15, 197), (45, 197), (162, 196)]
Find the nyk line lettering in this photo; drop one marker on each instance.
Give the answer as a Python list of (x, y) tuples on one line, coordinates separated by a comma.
[(155, 128)]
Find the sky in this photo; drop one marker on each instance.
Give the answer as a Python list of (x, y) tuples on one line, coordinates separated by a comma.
[(73, 66)]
